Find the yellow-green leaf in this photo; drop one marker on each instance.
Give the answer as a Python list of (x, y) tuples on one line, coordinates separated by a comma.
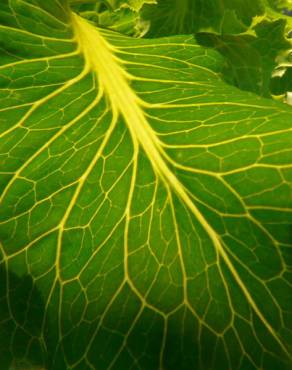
[(146, 205)]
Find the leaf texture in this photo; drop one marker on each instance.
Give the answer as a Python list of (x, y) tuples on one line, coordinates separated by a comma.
[(146, 205)]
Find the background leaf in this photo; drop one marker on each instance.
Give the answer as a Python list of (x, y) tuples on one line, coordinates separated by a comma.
[(172, 17), (250, 60), (118, 16), (132, 4)]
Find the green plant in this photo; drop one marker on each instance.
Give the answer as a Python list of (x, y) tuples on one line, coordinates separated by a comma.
[(146, 186)]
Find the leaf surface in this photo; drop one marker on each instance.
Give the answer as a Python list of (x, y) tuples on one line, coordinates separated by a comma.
[(170, 17), (146, 205)]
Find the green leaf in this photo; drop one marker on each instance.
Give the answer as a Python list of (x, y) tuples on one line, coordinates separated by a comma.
[(122, 19), (170, 17), (135, 5), (146, 205), (281, 83), (252, 36), (120, 16), (250, 59), (280, 4)]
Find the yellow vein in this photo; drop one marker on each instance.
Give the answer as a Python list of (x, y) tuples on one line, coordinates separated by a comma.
[(42, 59), (30, 34), (209, 104), (44, 100), (45, 13), (161, 57), (101, 56), (77, 192), (49, 142)]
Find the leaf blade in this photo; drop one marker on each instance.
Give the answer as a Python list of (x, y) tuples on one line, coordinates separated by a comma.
[(125, 223)]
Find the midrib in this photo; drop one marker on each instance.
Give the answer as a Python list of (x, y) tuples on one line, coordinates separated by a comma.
[(100, 58), (114, 80)]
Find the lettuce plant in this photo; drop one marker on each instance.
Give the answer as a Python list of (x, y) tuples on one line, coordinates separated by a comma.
[(146, 185)]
